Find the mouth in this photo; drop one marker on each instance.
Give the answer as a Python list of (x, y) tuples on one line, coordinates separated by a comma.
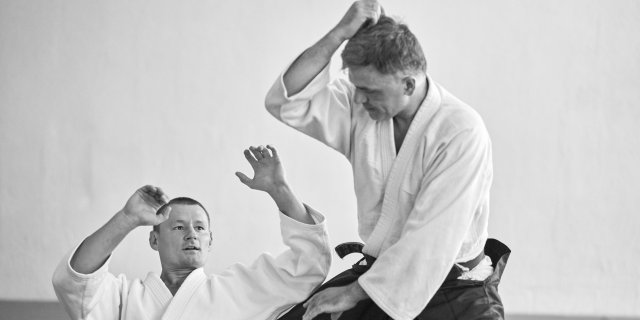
[(191, 248), (369, 109)]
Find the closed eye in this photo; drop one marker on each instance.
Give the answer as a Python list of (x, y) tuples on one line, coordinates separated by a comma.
[(373, 93), (364, 90)]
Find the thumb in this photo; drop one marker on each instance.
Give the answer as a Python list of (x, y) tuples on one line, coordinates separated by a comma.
[(379, 13), (244, 179)]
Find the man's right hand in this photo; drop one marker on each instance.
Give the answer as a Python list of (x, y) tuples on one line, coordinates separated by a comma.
[(142, 206), (140, 210), (356, 16), (313, 60)]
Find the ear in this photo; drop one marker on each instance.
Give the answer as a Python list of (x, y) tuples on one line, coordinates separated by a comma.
[(153, 240), (409, 84), (210, 240)]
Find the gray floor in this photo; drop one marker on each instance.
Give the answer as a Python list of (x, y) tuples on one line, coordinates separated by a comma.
[(32, 310)]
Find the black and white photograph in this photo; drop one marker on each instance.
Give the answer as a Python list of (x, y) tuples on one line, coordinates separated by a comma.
[(328, 160)]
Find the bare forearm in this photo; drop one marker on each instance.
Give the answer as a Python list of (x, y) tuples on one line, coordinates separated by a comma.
[(96, 248), (289, 204), (311, 62)]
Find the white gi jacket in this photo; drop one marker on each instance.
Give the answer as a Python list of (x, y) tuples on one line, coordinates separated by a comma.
[(260, 291), (419, 211)]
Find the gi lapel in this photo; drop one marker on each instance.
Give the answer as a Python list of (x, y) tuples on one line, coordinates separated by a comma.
[(411, 141), (158, 289), (181, 300), (387, 147)]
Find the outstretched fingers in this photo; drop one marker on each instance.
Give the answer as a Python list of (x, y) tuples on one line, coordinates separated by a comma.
[(265, 152), (248, 154), (273, 150), (257, 152), (260, 152), (244, 179)]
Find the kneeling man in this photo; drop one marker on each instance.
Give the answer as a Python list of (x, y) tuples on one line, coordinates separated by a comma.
[(181, 235)]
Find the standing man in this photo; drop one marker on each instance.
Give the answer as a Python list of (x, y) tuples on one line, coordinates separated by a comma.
[(422, 170)]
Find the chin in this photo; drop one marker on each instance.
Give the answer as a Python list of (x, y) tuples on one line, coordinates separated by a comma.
[(194, 263), (373, 115)]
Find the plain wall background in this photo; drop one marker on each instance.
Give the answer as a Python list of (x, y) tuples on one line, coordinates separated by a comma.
[(98, 98)]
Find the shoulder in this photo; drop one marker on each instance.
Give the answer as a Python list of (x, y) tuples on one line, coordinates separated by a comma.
[(453, 117)]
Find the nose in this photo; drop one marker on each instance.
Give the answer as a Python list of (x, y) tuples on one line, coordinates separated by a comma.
[(359, 97), (190, 234)]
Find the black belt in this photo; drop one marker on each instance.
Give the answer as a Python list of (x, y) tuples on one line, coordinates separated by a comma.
[(366, 309), (347, 248)]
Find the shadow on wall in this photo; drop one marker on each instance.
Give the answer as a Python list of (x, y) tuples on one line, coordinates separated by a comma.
[(51, 310)]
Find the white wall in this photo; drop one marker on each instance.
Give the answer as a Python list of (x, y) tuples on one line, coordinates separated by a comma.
[(100, 97)]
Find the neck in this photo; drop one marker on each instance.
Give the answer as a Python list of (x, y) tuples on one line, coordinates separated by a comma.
[(173, 279), (404, 118)]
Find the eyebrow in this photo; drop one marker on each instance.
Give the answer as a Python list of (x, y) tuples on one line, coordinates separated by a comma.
[(183, 221)]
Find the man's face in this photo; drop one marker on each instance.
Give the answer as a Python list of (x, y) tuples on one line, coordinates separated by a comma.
[(184, 240), (382, 95)]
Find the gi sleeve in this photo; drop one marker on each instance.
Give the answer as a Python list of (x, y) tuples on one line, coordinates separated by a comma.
[(321, 110), (89, 296), (407, 275), (270, 285)]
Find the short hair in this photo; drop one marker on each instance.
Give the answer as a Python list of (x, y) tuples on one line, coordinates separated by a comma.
[(184, 201), (388, 45)]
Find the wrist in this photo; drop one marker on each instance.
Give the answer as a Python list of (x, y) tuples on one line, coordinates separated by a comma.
[(279, 189), (126, 221), (337, 35), (289, 205)]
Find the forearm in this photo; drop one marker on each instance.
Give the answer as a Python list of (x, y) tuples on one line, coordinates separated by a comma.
[(289, 204), (96, 248), (311, 62)]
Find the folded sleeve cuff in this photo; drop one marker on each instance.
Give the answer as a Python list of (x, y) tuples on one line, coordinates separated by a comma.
[(317, 83), (318, 219), (75, 275)]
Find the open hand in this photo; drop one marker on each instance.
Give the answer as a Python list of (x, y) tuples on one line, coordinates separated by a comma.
[(268, 173), (142, 206), (334, 300)]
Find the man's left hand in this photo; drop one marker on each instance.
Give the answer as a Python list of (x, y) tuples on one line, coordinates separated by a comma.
[(334, 300), (267, 168)]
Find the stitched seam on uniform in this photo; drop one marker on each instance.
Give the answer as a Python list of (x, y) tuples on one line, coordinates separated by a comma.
[(82, 308)]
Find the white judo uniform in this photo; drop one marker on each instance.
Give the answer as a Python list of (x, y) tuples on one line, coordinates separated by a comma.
[(420, 210), (260, 291)]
